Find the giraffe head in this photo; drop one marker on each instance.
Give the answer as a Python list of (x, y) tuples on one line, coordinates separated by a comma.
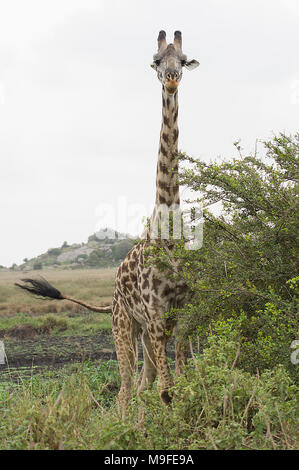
[(170, 60)]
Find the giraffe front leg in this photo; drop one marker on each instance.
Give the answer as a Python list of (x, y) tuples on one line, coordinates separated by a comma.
[(149, 370), (181, 355), (159, 341), (181, 349)]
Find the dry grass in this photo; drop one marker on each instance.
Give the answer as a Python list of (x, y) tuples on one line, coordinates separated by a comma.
[(94, 285)]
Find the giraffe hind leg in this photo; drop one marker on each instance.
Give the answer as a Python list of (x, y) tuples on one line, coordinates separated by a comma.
[(125, 333)]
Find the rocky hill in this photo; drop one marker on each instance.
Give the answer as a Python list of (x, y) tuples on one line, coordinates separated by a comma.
[(105, 248)]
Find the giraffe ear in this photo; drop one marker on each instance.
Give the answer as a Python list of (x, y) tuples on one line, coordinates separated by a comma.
[(191, 64)]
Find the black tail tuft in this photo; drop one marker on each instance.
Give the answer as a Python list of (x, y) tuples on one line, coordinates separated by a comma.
[(41, 288)]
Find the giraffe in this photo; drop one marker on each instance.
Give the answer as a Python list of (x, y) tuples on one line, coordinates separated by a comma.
[(142, 293)]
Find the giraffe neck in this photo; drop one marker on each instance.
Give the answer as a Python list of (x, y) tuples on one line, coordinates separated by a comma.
[(167, 189)]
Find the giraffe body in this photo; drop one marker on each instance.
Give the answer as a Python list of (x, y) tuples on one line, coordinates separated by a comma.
[(141, 298)]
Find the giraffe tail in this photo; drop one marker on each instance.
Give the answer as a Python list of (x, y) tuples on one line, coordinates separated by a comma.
[(42, 288)]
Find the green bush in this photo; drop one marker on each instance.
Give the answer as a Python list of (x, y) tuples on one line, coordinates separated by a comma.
[(216, 405), (54, 251), (121, 248), (245, 276), (98, 258), (51, 323), (37, 266)]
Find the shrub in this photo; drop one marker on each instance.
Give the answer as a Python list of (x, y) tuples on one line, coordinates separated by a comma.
[(37, 266), (216, 405), (121, 248), (245, 276), (51, 323), (54, 251)]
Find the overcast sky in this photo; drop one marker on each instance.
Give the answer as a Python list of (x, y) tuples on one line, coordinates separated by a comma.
[(80, 107)]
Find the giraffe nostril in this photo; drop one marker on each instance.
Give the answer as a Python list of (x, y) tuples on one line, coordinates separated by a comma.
[(170, 76)]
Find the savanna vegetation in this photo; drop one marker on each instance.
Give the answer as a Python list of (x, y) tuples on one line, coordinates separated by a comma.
[(95, 286), (240, 387), (104, 249)]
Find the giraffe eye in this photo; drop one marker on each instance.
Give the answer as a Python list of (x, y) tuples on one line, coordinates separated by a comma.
[(183, 62), (157, 62)]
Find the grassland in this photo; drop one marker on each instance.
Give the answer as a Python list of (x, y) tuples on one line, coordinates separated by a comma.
[(59, 388), (93, 285), (39, 333)]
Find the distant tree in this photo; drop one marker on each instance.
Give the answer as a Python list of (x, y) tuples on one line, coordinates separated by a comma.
[(121, 248), (54, 251), (93, 238), (37, 266), (64, 245), (25, 260), (94, 258)]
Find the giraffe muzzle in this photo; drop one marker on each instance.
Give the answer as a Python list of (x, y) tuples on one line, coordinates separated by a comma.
[(171, 85)]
